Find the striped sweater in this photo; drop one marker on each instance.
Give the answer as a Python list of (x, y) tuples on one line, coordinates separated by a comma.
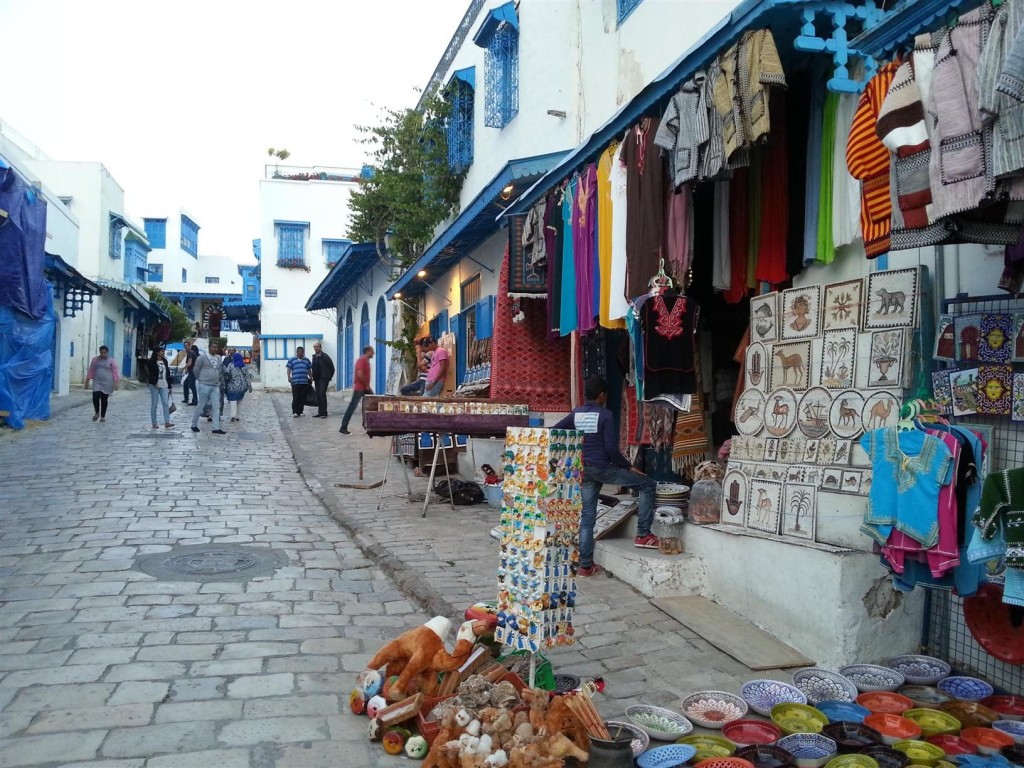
[(868, 160)]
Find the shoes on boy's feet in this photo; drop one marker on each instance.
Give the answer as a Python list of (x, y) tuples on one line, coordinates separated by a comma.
[(219, 432), (591, 571), (195, 429), (344, 431), (650, 541)]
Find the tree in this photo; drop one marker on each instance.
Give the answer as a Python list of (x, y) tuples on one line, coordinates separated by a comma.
[(280, 154), (410, 189), (181, 328)]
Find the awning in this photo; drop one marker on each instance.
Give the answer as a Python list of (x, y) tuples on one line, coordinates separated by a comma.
[(67, 276), (355, 261), (125, 222), (905, 21), (476, 223), (130, 293), (503, 14), (467, 75)]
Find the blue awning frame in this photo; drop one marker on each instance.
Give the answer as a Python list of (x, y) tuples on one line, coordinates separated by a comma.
[(477, 222), (355, 261), (503, 14), (466, 75), (906, 20)]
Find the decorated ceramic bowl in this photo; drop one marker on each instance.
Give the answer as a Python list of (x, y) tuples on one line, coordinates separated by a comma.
[(971, 714), (953, 745), (920, 670), (822, 685), (668, 756), (798, 718), (886, 757), (893, 728), (920, 752), (924, 696), (725, 762), (852, 761), (871, 677), (766, 756), (885, 701), (713, 709), (762, 695), (640, 740), (658, 723), (843, 711), (852, 737), (743, 733), (933, 722), (965, 688), (809, 750), (1008, 707), (708, 746), (988, 740), (1013, 728)]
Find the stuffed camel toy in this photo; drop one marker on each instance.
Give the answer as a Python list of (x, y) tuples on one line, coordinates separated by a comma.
[(419, 654)]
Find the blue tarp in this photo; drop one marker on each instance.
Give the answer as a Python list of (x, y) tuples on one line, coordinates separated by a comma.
[(26, 363), (22, 246)]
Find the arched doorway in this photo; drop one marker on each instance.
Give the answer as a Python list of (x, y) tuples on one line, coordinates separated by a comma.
[(380, 351), (350, 359)]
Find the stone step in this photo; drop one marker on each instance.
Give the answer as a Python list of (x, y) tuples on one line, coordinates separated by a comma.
[(648, 571)]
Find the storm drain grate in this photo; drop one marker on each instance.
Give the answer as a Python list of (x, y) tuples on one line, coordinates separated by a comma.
[(212, 562)]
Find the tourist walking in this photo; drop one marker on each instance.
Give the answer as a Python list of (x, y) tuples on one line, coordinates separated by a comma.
[(105, 379), (207, 370), (159, 375), (300, 376), (323, 372), (236, 383), (189, 385), (360, 386)]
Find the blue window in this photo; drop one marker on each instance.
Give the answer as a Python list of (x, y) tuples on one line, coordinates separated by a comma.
[(189, 236), (156, 232), (184, 275), (211, 280), (156, 273), (115, 239), (460, 94), (625, 7), (135, 257), (333, 250), (291, 245), (499, 34)]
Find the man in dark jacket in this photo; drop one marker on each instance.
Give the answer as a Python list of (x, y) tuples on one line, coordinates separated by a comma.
[(323, 373), (603, 462), (189, 385)]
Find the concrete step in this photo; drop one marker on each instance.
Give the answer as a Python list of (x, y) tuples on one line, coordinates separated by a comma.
[(648, 571)]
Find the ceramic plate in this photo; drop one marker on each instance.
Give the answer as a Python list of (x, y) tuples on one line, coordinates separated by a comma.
[(659, 723), (920, 670), (713, 709), (965, 688), (871, 677), (822, 685), (762, 695), (847, 711)]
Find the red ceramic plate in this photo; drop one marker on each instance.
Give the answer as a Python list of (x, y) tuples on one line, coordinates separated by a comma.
[(987, 738), (893, 726), (724, 762), (751, 732), (953, 745), (988, 618), (885, 702), (1005, 705)]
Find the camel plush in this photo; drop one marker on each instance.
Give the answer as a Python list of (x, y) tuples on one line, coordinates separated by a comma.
[(419, 654)]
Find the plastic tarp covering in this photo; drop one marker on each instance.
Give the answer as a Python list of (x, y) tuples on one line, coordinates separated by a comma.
[(22, 245), (26, 363)]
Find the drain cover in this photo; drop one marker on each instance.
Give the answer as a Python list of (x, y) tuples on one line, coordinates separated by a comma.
[(170, 435), (212, 562)]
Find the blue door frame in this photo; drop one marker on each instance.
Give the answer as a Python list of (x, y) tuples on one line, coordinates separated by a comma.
[(350, 360), (380, 350)]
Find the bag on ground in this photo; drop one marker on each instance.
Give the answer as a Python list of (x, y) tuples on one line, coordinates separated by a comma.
[(461, 492)]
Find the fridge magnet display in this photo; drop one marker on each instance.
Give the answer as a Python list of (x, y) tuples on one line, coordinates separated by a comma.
[(892, 299), (750, 412), (945, 339), (801, 312), (1018, 338), (838, 358), (764, 505), (842, 305), (942, 393), (810, 452), (734, 497), (968, 336), (826, 451), (832, 479), (755, 371), (995, 389), (996, 335), (964, 390), (779, 412), (791, 365), (771, 449), (764, 317), (885, 365), (881, 409), (812, 417), (845, 413), (1017, 408), (798, 510), (844, 449)]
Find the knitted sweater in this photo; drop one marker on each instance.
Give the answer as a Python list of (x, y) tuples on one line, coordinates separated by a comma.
[(1000, 93), (759, 68), (1002, 503), (684, 130)]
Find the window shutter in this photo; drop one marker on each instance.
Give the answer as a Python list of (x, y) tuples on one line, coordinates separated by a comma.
[(485, 317)]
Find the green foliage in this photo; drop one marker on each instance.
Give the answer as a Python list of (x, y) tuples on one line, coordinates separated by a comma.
[(412, 189), (181, 328), (281, 154)]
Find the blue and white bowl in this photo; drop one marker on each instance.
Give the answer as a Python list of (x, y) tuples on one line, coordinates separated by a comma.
[(842, 711), (965, 688), (871, 677), (823, 685), (809, 750), (668, 756), (1012, 728), (762, 695), (920, 670)]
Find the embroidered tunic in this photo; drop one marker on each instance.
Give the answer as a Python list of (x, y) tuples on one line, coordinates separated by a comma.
[(1002, 506), (667, 323)]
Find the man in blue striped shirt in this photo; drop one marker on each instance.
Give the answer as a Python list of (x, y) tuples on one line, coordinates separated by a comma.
[(300, 377)]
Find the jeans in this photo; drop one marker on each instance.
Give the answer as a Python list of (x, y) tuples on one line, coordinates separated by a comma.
[(158, 394), (209, 394), (357, 395), (99, 403), (321, 396), (299, 393), (189, 385), (593, 479), (413, 387), (433, 391)]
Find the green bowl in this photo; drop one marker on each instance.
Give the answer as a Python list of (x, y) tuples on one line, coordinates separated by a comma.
[(798, 718), (708, 746), (920, 752), (933, 722), (852, 761)]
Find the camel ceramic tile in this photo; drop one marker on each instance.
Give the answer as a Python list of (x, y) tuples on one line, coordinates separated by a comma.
[(750, 412), (881, 409), (996, 338), (764, 505), (995, 389), (812, 415), (843, 305), (790, 365), (764, 317), (963, 385), (801, 312), (838, 359), (945, 339), (755, 371), (780, 412), (735, 493), (885, 364), (892, 298), (799, 509), (845, 413)]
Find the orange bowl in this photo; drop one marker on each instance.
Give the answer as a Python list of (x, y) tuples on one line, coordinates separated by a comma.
[(885, 702), (988, 740), (893, 728)]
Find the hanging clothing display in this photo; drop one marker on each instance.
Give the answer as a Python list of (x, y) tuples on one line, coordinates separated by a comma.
[(684, 130), (567, 309), (556, 227), (584, 213), (604, 237), (845, 206), (679, 231), (645, 209), (534, 243), (618, 306), (667, 322), (739, 193), (819, 167), (774, 213)]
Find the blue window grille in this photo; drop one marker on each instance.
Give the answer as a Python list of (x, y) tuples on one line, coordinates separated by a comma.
[(189, 236), (115, 239), (211, 280), (460, 95), (502, 77), (156, 232), (333, 250), (156, 273), (350, 357), (291, 246), (381, 367), (135, 257), (184, 275), (625, 7)]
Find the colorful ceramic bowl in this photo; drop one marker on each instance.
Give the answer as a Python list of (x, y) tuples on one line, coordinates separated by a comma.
[(713, 709), (965, 688), (809, 750), (1013, 728), (668, 756), (822, 685), (988, 740), (725, 762), (658, 723), (798, 718), (871, 677), (708, 746), (762, 695), (1014, 754), (971, 714), (920, 752), (852, 737), (924, 696), (1008, 707), (843, 711), (885, 701), (640, 740), (743, 733), (886, 757), (920, 670), (893, 728), (982, 761), (766, 756), (933, 722), (852, 761), (953, 745)]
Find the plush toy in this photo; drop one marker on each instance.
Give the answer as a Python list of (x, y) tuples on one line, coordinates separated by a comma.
[(561, 719), (419, 654), (438, 756), (416, 747), (537, 700)]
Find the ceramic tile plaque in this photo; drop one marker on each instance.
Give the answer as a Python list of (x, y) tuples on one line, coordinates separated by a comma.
[(764, 317), (801, 312), (842, 306), (791, 365), (892, 299), (764, 505), (799, 509)]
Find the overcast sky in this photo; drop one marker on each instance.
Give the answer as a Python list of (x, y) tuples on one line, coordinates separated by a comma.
[(180, 100)]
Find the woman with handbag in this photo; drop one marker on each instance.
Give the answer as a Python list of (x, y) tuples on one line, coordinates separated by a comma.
[(236, 383), (159, 387)]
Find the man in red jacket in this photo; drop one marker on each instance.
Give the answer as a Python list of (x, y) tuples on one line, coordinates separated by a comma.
[(360, 387)]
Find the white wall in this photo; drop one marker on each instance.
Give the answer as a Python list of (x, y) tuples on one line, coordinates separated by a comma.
[(489, 253), (377, 282)]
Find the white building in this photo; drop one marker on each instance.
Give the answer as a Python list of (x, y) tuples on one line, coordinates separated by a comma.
[(303, 222)]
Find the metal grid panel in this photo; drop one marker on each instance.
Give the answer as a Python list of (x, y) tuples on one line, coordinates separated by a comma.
[(502, 77)]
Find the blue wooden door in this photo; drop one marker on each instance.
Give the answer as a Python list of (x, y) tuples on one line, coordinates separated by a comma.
[(381, 349), (126, 358), (350, 360), (109, 330)]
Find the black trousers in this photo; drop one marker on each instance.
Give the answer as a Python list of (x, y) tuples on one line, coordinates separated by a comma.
[(321, 396), (99, 403), (357, 395), (189, 385), (299, 393)]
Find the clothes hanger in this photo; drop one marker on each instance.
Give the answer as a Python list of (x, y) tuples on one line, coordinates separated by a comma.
[(908, 413), (660, 281)]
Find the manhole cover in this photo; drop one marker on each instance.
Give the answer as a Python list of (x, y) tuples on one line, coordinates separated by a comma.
[(170, 435), (212, 562)]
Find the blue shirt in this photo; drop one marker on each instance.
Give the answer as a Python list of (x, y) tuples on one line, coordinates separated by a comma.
[(600, 439), (301, 368)]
